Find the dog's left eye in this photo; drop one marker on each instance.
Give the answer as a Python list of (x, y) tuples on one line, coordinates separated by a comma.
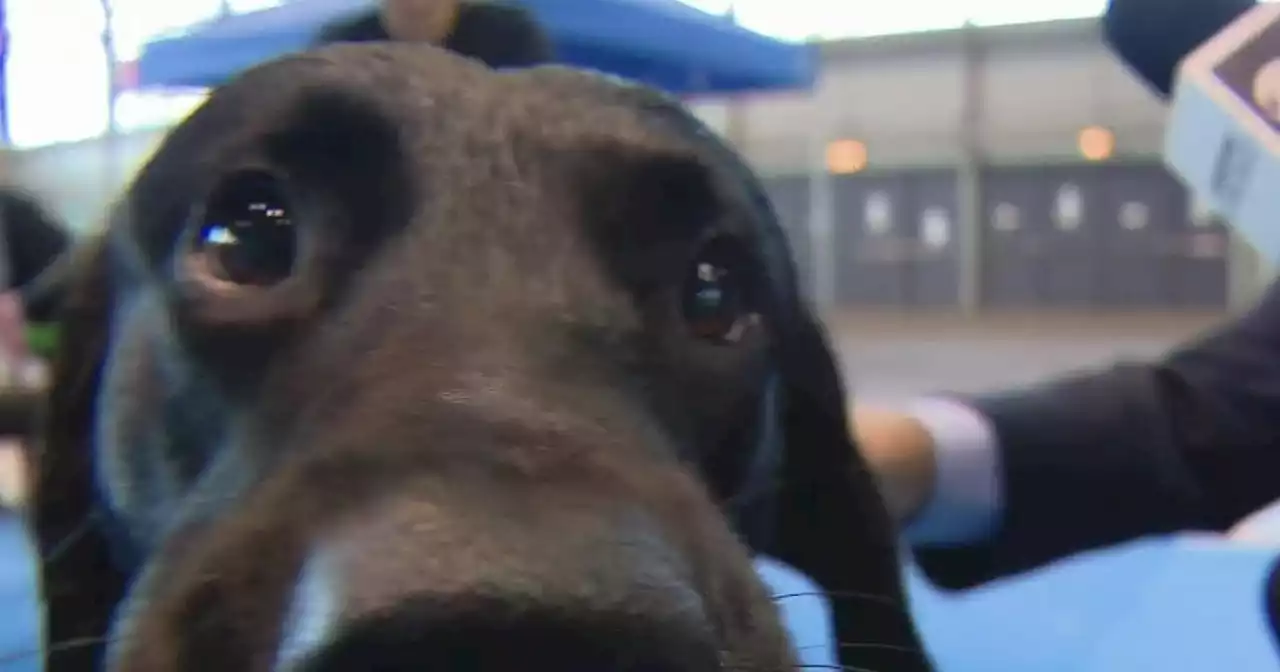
[(246, 232), (717, 302)]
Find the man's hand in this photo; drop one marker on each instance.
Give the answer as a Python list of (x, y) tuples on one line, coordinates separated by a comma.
[(900, 453)]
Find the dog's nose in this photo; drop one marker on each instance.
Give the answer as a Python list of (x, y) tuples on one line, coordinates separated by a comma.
[(581, 600), (497, 636)]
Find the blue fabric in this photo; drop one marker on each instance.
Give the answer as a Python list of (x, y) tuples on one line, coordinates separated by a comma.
[(19, 628), (664, 43), (1176, 604), (1166, 604)]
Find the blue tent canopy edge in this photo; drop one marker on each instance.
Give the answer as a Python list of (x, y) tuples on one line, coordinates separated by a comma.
[(664, 43)]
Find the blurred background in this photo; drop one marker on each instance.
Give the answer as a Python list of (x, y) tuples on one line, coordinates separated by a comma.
[(951, 156), (950, 171), (973, 188)]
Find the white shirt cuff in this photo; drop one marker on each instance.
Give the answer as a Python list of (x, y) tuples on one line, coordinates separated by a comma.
[(966, 501)]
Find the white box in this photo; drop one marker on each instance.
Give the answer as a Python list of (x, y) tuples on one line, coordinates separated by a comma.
[(1223, 134)]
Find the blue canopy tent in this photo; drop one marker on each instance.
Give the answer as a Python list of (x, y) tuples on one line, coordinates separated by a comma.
[(664, 43)]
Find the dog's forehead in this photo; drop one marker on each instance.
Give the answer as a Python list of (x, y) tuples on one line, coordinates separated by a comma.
[(450, 119), (452, 140), (434, 97)]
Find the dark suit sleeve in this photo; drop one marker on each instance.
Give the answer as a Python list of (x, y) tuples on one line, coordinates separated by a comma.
[(1191, 441)]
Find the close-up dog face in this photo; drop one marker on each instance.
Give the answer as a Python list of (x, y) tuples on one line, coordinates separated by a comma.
[(390, 361)]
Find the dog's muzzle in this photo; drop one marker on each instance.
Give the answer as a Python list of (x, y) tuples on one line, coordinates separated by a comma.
[(418, 586)]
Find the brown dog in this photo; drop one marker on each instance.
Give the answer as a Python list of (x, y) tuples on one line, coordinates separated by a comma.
[(389, 361)]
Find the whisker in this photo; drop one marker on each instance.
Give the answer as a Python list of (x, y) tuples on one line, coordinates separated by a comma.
[(822, 666), (885, 600), (818, 666), (95, 517), (64, 646), (749, 495), (865, 646), (72, 538)]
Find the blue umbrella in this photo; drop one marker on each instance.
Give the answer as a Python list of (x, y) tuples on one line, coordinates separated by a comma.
[(664, 43)]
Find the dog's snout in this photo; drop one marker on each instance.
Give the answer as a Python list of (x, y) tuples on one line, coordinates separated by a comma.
[(405, 592)]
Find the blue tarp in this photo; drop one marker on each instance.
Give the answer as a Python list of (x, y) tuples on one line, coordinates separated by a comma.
[(1179, 604), (664, 43)]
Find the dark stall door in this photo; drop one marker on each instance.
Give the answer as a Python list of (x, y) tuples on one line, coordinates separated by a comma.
[(1158, 253), (1013, 248), (1040, 241), (1097, 235), (933, 274), (1144, 210), (790, 198), (1072, 223), (873, 241)]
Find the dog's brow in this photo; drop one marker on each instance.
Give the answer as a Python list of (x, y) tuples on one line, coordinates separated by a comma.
[(737, 182)]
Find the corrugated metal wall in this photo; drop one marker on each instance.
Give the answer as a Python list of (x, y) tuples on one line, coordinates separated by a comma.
[(1054, 236), (975, 181)]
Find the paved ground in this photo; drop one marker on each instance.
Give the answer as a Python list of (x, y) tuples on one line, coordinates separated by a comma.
[(889, 357)]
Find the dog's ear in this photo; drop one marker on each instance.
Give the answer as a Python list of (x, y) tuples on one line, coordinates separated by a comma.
[(819, 503), (804, 494), (79, 584), (828, 518)]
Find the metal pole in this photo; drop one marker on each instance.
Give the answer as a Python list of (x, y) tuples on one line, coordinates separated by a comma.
[(110, 170), (969, 179), (109, 49), (822, 214)]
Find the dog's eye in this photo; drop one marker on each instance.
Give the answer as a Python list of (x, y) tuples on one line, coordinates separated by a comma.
[(246, 233), (717, 303)]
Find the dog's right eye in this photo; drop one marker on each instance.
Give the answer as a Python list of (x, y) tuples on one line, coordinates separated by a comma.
[(246, 234), (718, 304)]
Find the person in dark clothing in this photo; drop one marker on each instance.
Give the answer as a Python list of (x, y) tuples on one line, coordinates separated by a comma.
[(33, 239), (498, 34)]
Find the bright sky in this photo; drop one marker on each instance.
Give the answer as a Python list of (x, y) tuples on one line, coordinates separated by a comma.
[(799, 19)]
